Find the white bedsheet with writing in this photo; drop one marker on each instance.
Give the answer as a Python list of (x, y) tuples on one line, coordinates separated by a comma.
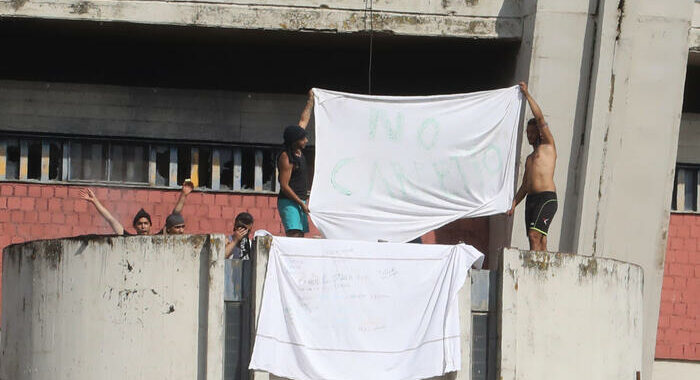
[(393, 168), (337, 309)]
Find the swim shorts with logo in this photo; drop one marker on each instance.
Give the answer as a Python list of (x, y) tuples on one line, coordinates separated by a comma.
[(539, 211)]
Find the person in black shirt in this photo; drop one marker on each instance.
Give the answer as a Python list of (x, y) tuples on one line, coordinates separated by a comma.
[(293, 176), (238, 246)]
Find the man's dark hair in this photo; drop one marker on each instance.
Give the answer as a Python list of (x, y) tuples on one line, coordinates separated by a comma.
[(244, 218), (532, 121), (141, 214), (292, 134)]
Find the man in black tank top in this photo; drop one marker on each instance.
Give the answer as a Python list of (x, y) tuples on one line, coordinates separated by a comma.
[(293, 176)]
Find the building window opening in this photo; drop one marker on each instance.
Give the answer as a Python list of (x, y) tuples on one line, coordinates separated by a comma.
[(12, 162), (55, 161), (686, 188), (184, 164), (34, 160), (247, 169)]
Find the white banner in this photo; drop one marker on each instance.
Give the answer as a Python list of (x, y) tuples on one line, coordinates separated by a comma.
[(393, 168), (335, 309)]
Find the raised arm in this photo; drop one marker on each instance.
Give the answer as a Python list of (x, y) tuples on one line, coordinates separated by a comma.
[(545, 133), (285, 168), (89, 196), (306, 113), (187, 188)]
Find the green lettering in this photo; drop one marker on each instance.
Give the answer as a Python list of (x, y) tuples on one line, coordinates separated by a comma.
[(341, 189), (379, 118), (433, 125)]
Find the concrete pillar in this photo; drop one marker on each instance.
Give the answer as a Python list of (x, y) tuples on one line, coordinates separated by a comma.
[(565, 316), (609, 77), (555, 60), (95, 307), (631, 138)]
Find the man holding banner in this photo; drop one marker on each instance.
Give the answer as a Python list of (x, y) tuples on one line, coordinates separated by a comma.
[(538, 179), (293, 176)]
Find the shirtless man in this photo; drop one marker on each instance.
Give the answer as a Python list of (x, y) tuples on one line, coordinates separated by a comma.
[(538, 180)]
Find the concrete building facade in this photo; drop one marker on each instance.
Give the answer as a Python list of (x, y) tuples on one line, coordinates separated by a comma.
[(142, 94)]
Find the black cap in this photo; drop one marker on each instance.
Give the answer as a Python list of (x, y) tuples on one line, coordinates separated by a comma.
[(141, 214)]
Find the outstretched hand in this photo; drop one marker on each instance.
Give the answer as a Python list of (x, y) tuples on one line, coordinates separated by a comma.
[(523, 87), (88, 195)]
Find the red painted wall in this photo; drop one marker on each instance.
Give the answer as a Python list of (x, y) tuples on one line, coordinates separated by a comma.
[(678, 335), (35, 211)]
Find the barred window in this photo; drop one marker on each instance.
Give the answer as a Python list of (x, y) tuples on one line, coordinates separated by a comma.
[(241, 168), (686, 188)]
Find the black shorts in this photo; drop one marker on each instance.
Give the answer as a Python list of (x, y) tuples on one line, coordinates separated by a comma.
[(539, 211)]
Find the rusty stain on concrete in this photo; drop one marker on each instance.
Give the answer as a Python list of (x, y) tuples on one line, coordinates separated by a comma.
[(541, 261), (53, 251), (469, 3), (266, 241), (81, 7), (589, 268), (17, 4), (216, 243), (620, 16)]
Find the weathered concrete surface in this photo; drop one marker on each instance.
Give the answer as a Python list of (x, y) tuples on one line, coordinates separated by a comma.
[(695, 28), (260, 259), (676, 370), (472, 18), (569, 317), (689, 139), (632, 125), (114, 308), (611, 87)]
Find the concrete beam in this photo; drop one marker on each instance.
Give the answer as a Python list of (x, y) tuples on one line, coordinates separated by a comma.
[(273, 17)]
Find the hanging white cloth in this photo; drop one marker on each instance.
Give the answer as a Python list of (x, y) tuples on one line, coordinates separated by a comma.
[(337, 309), (393, 168)]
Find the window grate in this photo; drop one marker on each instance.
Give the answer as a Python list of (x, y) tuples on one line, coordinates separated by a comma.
[(233, 168)]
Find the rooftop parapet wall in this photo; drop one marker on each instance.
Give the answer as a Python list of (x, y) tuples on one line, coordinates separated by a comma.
[(471, 18), (571, 317), (98, 307)]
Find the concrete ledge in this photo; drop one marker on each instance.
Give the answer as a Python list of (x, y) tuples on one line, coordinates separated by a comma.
[(676, 370), (694, 40), (226, 15), (569, 317)]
